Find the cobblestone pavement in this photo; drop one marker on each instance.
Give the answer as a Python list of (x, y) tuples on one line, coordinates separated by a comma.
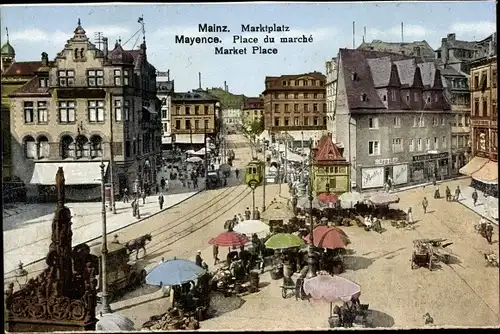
[(463, 293)]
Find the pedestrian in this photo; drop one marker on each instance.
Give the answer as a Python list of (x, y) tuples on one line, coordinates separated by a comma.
[(248, 213), (425, 204), (256, 214), (143, 197), (225, 181), (157, 189), (448, 194), (189, 183), (489, 232), (167, 185), (195, 182), (474, 197), (162, 183), (457, 193), (216, 254), (125, 195), (198, 260), (237, 172), (240, 218), (410, 216), (161, 200), (389, 183)]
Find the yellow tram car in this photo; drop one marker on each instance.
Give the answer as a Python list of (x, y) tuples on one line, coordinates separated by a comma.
[(254, 171)]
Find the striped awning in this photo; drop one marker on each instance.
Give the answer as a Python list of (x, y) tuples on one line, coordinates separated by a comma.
[(473, 166)]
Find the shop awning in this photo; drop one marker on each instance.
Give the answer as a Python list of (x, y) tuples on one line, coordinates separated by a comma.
[(487, 174), (78, 172), (473, 166), (195, 138)]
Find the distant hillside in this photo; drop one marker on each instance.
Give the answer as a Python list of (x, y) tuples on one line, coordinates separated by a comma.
[(227, 99)]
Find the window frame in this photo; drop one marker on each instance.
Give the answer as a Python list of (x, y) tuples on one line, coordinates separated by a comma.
[(373, 123), (375, 148), (69, 105), (42, 109), (99, 106), (29, 109)]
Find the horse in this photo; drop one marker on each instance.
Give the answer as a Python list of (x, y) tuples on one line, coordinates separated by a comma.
[(137, 244)]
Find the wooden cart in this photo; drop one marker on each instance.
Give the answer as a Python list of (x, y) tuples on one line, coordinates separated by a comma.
[(122, 276), (422, 254)]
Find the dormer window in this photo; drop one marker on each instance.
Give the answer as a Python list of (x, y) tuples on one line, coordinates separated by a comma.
[(408, 97), (292, 83), (364, 97), (354, 76), (284, 82), (44, 82), (415, 96), (384, 98)]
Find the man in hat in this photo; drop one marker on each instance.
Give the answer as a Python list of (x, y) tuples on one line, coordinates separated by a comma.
[(489, 232), (425, 204), (474, 197), (198, 260)]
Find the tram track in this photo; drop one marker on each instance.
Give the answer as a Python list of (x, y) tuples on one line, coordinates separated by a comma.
[(196, 214)]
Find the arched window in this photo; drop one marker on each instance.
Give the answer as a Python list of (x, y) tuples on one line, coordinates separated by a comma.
[(82, 50), (96, 147), (76, 53), (67, 147), (82, 148), (29, 147), (43, 147)]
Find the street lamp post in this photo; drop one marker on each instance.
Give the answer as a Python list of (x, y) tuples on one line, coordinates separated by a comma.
[(104, 250), (206, 156), (311, 260), (253, 184)]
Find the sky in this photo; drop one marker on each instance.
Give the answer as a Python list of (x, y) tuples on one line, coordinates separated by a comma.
[(37, 29)]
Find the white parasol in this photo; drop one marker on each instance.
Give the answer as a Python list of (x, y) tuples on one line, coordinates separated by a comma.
[(249, 227)]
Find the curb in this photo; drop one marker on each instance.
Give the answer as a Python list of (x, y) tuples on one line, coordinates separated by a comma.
[(490, 219), (121, 228), (429, 184)]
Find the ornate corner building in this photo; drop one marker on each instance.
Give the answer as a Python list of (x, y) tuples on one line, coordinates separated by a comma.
[(85, 106)]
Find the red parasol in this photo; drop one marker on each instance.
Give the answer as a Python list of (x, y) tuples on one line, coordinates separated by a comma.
[(328, 198), (228, 239), (329, 237), (331, 288)]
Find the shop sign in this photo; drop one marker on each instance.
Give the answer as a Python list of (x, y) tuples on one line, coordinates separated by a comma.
[(424, 157), (372, 177), (387, 161), (400, 174)]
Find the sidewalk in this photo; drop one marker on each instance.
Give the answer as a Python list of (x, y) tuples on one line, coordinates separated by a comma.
[(485, 207), (29, 243)]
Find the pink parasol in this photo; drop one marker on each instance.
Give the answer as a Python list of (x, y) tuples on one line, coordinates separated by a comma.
[(228, 239), (383, 198), (328, 237), (328, 198), (331, 288)]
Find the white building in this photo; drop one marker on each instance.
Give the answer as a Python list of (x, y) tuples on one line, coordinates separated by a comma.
[(232, 117), (165, 89), (331, 93)]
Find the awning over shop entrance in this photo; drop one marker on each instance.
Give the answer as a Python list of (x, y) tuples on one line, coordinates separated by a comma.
[(78, 172), (473, 166), (488, 174), (195, 138)]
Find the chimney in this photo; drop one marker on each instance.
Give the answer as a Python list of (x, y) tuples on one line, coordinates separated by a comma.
[(402, 33), (364, 34), (45, 59), (225, 86), (199, 80), (105, 46), (450, 37), (353, 34)]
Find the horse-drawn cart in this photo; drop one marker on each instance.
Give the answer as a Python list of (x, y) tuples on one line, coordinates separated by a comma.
[(429, 251), (122, 276)]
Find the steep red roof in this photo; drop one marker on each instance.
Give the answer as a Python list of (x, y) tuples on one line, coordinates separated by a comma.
[(328, 151), (23, 68)]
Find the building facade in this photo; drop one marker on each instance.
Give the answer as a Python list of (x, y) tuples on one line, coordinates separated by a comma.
[(194, 115), (483, 167), (85, 107), (165, 90), (14, 76), (253, 110), (330, 169), (295, 104), (331, 94), (392, 119)]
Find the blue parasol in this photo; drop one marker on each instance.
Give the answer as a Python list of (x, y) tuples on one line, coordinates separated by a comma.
[(174, 272)]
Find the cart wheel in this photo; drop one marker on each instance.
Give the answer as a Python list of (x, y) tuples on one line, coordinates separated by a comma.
[(283, 293)]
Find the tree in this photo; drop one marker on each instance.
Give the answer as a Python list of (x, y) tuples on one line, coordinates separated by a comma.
[(256, 127)]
